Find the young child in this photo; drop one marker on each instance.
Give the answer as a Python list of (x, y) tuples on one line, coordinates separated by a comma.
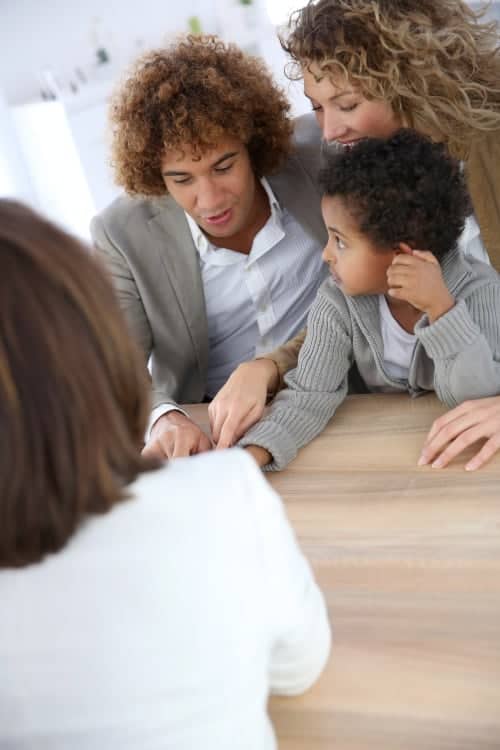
[(403, 310)]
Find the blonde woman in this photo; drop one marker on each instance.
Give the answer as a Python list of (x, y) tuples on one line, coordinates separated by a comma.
[(368, 68)]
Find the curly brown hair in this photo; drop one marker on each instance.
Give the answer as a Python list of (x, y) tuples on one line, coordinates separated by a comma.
[(197, 91), (434, 62)]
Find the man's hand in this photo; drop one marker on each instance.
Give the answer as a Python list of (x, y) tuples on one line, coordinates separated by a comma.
[(175, 435), (415, 277), (461, 427), (241, 401)]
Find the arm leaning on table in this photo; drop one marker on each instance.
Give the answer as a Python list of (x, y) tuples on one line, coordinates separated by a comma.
[(464, 345), (316, 387), (241, 401), (171, 433)]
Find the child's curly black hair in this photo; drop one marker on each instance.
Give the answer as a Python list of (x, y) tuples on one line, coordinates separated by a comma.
[(401, 189)]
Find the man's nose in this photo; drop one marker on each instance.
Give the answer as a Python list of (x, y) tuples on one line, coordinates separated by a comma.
[(208, 196)]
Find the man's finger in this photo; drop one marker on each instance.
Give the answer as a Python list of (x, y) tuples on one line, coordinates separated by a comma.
[(183, 446), (204, 444), (153, 450)]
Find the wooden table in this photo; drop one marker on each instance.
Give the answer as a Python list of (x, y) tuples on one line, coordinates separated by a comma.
[(409, 561)]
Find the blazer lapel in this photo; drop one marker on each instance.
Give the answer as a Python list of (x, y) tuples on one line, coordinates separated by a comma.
[(297, 194), (180, 260)]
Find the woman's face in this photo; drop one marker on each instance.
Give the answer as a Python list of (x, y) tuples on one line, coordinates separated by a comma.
[(343, 114)]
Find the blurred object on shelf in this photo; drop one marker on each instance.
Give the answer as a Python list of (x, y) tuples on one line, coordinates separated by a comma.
[(194, 25)]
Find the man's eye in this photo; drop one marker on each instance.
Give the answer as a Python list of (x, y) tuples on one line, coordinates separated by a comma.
[(225, 168)]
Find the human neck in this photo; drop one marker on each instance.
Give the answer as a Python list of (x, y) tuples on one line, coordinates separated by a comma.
[(405, 314), (242, 241)]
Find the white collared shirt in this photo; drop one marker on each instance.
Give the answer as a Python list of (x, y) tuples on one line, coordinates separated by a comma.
[(258, 301)]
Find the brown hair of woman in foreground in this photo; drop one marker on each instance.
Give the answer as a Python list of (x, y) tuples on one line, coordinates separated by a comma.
[(73, 389), (433, 61)]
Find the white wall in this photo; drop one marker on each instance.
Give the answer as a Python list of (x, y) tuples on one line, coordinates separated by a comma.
[(15, 180), (60, 34)]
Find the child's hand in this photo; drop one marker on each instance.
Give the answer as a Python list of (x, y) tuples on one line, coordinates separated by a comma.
[(415, 277)]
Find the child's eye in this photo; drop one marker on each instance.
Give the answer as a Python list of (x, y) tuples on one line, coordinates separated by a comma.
[(340, 243), (316, 107), (184, 181)]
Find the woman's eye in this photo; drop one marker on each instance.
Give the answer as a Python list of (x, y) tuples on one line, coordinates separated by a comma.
[(340, 243), (349, 108), (316, 107), (182, 182)]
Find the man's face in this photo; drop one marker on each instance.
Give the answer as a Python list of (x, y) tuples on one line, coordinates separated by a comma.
[(218, 190)]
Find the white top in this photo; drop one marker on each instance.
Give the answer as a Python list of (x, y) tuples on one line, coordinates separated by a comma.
[(398, 343), (163, 624), (258, 301)]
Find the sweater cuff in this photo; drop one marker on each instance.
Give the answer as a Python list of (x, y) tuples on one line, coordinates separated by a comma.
[(275, 440), (451, 333)]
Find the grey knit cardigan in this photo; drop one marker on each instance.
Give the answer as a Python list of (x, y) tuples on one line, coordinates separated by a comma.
[(457, 356)]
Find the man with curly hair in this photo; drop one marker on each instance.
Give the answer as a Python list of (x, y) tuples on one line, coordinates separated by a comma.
[(215, 250)]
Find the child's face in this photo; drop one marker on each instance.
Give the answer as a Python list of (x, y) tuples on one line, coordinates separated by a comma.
[(356, 264)]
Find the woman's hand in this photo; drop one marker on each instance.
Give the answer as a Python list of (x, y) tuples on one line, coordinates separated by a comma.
[(461, 427), (241, 401)]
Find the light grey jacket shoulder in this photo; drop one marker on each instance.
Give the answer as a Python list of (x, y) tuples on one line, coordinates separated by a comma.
[(148, 249), (457, 356)]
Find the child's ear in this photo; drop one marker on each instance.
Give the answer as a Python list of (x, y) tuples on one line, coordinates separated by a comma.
[(403, 248)]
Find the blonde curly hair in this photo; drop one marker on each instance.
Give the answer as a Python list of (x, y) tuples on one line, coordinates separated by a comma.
[(197, 91), (434, 61)]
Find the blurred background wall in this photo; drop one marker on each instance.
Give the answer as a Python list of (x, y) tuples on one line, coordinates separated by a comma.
[(60, 61)]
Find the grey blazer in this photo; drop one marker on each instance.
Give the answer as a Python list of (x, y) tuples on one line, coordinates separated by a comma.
[(147, 247)]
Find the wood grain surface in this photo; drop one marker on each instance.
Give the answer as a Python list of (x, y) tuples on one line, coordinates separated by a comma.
[(409, 561)]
